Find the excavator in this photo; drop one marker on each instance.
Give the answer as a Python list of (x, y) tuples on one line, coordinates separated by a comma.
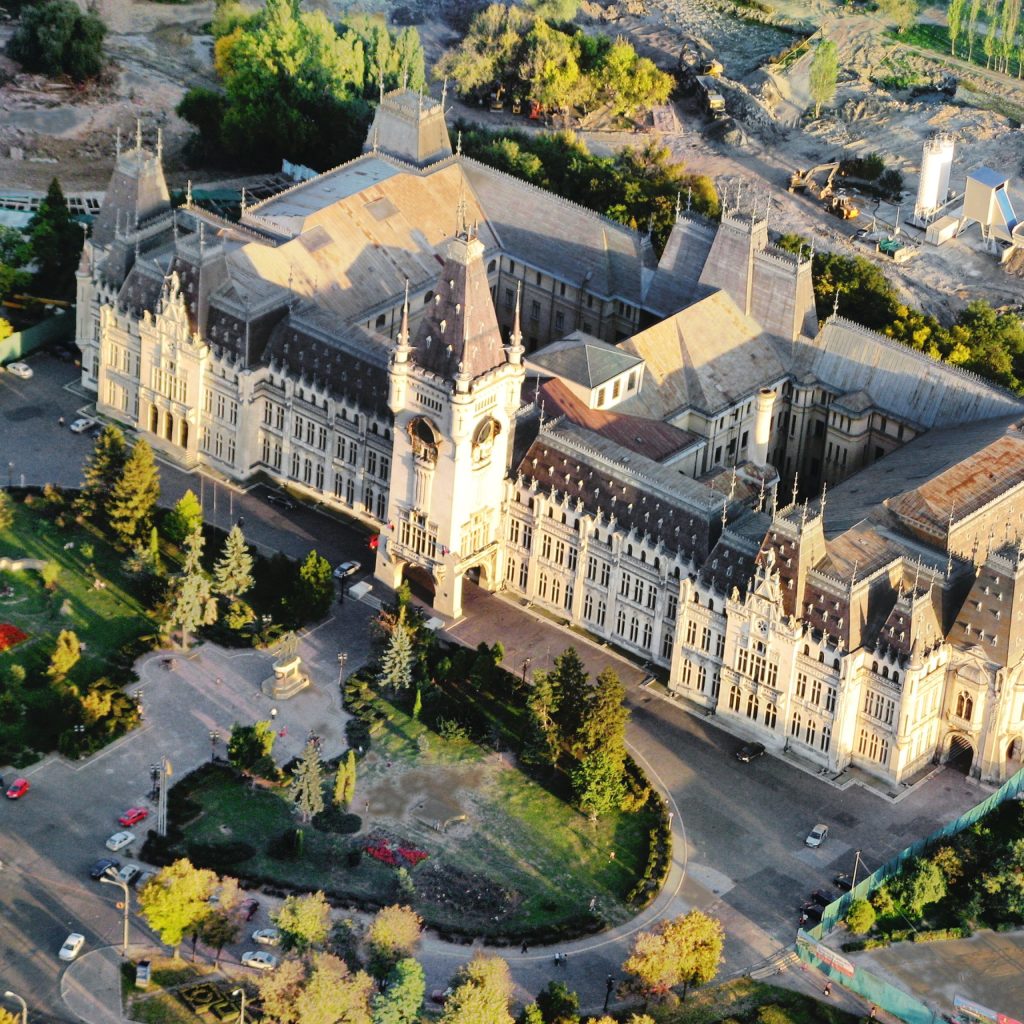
[(834, 200)]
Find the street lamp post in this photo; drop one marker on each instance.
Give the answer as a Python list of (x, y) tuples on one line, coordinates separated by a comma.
[(526, 665), (856, 864), (10, 475), (240, 992), (154, 775), (273, 715), (14, 995), (213, 745), (109, 877), (609, 985)]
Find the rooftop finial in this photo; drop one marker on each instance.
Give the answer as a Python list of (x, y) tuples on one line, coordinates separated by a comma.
[(679, 204), (405, 77), (796, 486), (117, 141), (760, 496), (835, 302), (460, 211), (375, 129), (188, 193), (458, 143), (380, 83), (824, 491), (689, 197), (803, 514), (517, 333), (138, 133), (420, 101), (242, 202), (444, 94), (403, 332), (725, 512), (775, 501)]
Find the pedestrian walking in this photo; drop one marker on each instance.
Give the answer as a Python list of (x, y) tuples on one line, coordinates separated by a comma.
[(828, 988), (60, 421), (218, 680), (873, 1015), (525, 948)]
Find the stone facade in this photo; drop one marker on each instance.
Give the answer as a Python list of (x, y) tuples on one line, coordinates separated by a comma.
[(362, 338)]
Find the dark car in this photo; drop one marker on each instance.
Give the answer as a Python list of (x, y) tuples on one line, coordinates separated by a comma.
[(282, 501), (812, 911), (102, 866), (843, 882), (749, 751), (249, 908), (823, 897)]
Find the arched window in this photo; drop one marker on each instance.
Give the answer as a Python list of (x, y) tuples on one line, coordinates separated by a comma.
[(794, 726), (885, 672), (895, 677), (382, 320), (771, 715), (492, 266), (711, 605), (964, 705), (427, 297), (734, 698), (753, 707)]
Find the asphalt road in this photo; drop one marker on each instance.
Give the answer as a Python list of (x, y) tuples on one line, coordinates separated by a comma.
[(744, 824)]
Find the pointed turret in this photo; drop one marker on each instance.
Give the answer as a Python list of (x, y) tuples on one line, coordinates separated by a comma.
[(460, 335), (136, 192), (516, 350)]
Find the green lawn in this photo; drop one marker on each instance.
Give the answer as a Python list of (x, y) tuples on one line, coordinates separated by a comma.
[(104, 619), (523, 863)]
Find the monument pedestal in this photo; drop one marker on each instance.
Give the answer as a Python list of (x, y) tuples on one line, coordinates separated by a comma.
[(288, 678)]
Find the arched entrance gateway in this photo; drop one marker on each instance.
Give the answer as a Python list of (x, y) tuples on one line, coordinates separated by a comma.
[(1014, 757), (959, 753)]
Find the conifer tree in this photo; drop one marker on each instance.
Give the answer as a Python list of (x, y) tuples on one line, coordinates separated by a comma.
[(402, 997), (308, 783), (134, 495), (102, 470), (396, 665), (350, 778), (56, 245), (232, 575), (192, 603), (340, 785), (6, 511)]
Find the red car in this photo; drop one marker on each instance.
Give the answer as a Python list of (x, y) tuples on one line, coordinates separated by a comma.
[(133, 816), (18, 789)]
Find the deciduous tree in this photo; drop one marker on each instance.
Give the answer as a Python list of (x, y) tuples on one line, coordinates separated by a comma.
[(59, 38), (304, 921), (860, 917), (192, 603), (321, 990), (823, 74), (220, 929), (558, 1004), (313, 589), (597, 784), (482, 991), (65, 655), (402, 997), (902, 12), (685, 950), (6, 511), (134, 495), (250, 744), (955, 21), (175, 901), (393, 935), (186, 516), (307, 786)]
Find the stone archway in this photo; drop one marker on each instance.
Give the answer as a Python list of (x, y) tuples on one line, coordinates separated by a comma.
[(959, 753), (1014, 757), (421, 583)]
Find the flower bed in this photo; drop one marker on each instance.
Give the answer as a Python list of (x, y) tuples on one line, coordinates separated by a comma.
[(395, 856), (10, 636)]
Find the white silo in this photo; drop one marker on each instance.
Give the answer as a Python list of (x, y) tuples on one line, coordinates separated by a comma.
[(932, 189)]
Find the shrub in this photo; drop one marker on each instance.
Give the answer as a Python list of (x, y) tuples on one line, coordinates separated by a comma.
[(285, 845), (220, 856), (57, 38), (860, 917), (334, 819)]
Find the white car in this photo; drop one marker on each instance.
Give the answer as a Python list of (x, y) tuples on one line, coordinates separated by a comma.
[(22, 370), (267, 936), (81, 425), (72, 946), (346, 569), (260, 960), (129, 873), (119, 840), (817, 835)]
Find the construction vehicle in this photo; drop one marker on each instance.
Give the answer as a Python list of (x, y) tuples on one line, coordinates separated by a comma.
[(498, 98), (534, 111), (517, 104), (842, 206), (712, 68), (711, 99), (806, 181)]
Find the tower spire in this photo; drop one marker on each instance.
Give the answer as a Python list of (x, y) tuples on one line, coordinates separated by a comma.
[(515, 352), (402, 348)]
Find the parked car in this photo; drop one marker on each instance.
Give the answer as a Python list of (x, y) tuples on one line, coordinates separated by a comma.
[(72, 946), (133, 816), (81, 425), (119, 840), (103, 866), (266, 936), (130, 873), (261, 960), (843, 882), (440, 995), (22, 370), (249, 908), (17, 789), (823, 897), (812, 911), (749, 751), (817, 835), (143, 880), (346, 569), (282, 501)]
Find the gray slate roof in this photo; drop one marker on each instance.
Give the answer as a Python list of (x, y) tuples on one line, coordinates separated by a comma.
[(583, 359)]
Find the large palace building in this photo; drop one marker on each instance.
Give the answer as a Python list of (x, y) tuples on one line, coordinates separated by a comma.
[(514, 389)]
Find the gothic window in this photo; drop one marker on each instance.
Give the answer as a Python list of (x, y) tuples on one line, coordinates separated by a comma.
[(648, 634), (826, 737), (771, 715), (483, 440), (666, 644), (734, 698), (753, 706), (964, 706), (794, 726)]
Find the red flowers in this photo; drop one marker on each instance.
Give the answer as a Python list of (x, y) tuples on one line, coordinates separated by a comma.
[(10, 636), (383, 852)]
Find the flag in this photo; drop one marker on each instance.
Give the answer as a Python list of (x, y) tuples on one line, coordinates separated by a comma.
[(374, 541)]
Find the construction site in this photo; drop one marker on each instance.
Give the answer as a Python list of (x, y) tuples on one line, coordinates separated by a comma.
[(742, 115)]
